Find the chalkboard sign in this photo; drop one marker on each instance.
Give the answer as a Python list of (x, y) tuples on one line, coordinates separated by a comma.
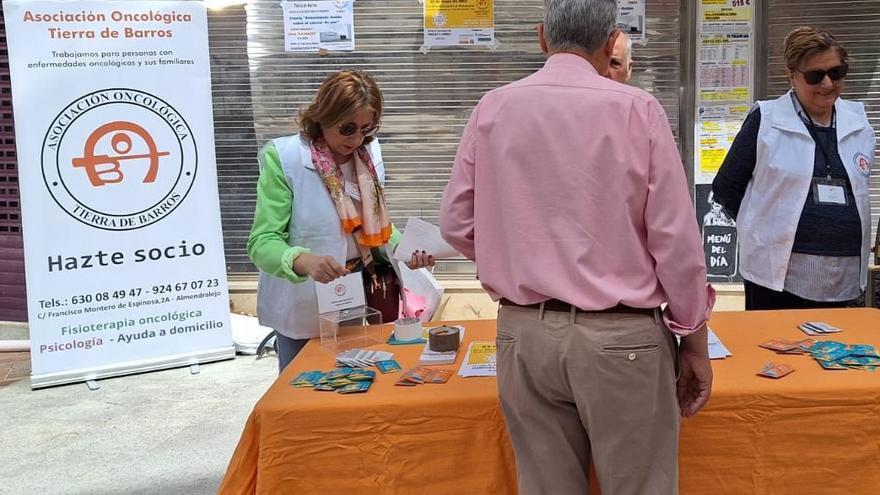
[(719, 237), (719, 244)]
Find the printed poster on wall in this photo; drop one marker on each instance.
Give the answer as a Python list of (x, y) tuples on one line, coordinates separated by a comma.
[(724, 77), (314, 26), (631, 19), (459, 22), (114, 134)]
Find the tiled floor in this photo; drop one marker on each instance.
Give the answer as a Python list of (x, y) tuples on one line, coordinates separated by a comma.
[(14, 366)]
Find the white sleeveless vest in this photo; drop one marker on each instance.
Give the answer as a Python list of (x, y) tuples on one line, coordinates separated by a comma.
[(292, 308), (774, 199)]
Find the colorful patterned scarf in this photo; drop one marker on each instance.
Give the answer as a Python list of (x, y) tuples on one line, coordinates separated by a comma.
[(375, 229)]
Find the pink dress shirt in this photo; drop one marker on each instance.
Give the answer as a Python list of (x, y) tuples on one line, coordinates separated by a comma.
[(569, 186)]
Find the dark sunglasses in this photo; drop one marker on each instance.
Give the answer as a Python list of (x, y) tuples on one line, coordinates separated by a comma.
[(349, 128), (816, 76)]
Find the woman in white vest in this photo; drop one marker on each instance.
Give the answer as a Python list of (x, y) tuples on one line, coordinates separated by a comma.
[(320, 203), (796, 181)]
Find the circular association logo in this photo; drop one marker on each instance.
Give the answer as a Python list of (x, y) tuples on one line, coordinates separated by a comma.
[(863, 163), (439, 20), (482, 5), (119, 159), (340, 290)]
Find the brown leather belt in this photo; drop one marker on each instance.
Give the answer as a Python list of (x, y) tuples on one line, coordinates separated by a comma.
[(557, 305)]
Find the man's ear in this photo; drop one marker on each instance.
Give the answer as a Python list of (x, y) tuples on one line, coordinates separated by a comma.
[(542, 42)]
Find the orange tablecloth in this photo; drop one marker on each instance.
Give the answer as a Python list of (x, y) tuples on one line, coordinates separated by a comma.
[(814, 431)]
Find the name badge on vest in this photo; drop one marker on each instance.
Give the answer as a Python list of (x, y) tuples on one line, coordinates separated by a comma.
[(828, 191)]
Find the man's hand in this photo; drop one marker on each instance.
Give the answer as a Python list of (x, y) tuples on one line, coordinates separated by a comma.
[(322, 269), (695, 379)]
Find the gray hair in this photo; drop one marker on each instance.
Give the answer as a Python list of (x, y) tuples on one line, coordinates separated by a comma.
[(583, 24), (629, 49)]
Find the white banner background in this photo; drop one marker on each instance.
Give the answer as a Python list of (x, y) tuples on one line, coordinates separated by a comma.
[(114, 133)]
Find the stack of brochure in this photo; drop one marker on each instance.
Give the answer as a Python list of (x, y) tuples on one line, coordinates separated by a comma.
[(430, 357), (360, 358), (818, 328)]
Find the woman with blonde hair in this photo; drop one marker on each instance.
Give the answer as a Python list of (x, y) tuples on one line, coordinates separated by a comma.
[(321, 208), (796, 182)]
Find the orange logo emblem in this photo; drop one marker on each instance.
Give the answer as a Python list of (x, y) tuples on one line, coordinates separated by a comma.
[(111, 173), (119, 159)]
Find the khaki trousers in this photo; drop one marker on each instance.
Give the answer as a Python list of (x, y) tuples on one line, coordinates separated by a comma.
[(580, 386)]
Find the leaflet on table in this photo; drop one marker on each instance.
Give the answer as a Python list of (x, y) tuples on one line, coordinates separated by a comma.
[(717, 350), (479, 360), (419, 235), (343, 293)]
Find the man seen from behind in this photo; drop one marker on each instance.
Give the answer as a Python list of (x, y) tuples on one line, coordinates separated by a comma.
[(569, 194)]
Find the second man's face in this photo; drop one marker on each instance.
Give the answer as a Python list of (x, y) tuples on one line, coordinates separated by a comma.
[(620, 69)]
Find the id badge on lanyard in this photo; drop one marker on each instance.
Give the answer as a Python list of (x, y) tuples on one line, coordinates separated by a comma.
[(828, 191)]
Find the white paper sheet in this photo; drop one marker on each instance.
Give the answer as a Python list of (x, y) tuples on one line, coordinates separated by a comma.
[(717, 350), (343, 293), (420, 235)]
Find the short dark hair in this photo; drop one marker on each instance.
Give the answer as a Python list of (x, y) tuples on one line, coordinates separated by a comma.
[(804, 42)]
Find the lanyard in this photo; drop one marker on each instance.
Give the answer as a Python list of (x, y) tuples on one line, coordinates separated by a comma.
[(815, 135)]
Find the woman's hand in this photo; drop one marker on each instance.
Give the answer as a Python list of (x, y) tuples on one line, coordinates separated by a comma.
[(420, 259), (322, 269)]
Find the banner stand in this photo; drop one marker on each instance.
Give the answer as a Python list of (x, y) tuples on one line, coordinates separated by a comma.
[(114, 134), (132, 367)]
